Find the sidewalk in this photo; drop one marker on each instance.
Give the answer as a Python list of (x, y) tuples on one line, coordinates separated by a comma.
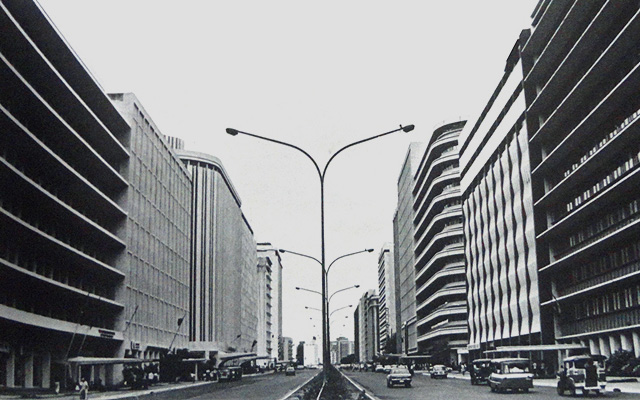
[(612, 384), (123, 393)]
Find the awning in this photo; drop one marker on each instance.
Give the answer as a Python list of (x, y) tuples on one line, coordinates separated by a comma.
[(537, 347), (106, 360)]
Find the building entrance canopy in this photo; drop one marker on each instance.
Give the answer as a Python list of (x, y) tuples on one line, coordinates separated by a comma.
[(536, 347), (106, 360)]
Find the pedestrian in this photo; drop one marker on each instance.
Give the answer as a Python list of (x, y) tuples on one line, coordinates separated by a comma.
[(84, 389)]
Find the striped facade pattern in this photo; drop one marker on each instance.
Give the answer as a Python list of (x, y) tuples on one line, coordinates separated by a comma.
[(500, 248), (223, 276), (63, 147), (439, 248), (158, 234), (583, 119)]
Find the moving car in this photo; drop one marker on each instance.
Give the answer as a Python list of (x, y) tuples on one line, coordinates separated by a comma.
[(586, 373), (399, 376), (480, 369), (290, 371), (510, 374), (438, 371)]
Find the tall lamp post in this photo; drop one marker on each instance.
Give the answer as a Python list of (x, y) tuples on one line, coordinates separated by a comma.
[(326, 351)]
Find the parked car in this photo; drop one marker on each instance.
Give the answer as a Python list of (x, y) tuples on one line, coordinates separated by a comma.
[(480, 369), (510, 374), (230, 374), (585, 373), (399, 376), (438, 371), (290, 371)]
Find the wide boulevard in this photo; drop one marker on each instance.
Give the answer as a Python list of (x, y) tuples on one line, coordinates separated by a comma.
[(423, 387)]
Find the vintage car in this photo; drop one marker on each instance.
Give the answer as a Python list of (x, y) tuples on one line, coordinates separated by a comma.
[(510, 374), (290, 370), (585, 373), (479, 370), (230, 373), (438, 371), (399, 376)]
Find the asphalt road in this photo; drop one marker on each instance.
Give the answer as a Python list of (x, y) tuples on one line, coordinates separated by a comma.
[(259, 387), (423, 387)]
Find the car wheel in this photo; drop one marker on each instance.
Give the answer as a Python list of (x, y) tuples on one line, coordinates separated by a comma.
[(560, 389), (408, 384), (493, 387)]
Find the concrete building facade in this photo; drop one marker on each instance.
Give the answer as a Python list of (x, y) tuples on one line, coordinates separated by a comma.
[(439, 249), (274, 313), (368, 335), (403, 249), (63, 162), (223, 274), (158, 233), (583, 132), (263, 329), (389, 296), (340, 348), (500, 245)]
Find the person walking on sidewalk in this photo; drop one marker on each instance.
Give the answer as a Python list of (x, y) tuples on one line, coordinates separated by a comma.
[(84, 389)]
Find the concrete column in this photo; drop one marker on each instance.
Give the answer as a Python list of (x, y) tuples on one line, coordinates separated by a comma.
[(614, 343), (11, 370), (46, 369), (605, 350), (28, 371), (635, 337), (625, 342), (593, 347)]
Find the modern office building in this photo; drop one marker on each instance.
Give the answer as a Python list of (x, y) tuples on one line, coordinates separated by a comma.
[(583, 132), (340, 348), (63, 217), (367, 328), (403, 250), (263, 306), (158, 235), (500, 245), (287, 349), (267, 251), (312, 355), (389, 302), (223, 317), (441, 306)]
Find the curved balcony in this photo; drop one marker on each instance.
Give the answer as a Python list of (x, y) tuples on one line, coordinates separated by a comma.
[(445, 310), (437, 166), (450, 289), (450, 270), (453, 250), (434, 149), (436, 207), (450, 328), (450, 176), (437, 224), (430, 249)]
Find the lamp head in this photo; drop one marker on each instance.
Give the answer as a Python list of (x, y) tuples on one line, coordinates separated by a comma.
[(282, 250), (369, 250), (234, 132), (297, 288), (356, 286), (407, 128)]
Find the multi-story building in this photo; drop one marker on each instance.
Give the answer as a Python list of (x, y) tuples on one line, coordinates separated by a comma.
[(287, 349), (583, 131), (263, 308), (272, 254), (500, 246), (441, 305), (403, 244), (63, 216), (388, 302), (311, 353), (223, 275), (367, 330), (340, 348)]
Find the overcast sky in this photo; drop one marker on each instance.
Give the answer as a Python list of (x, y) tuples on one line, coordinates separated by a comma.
[(319, 75)]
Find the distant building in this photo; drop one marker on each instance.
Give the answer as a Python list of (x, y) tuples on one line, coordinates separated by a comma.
[(287, 349), (224, 292), (439, 250), (340, 348), (312, 354), (389, 301), (274, 286), (263, 306), (367, 327)]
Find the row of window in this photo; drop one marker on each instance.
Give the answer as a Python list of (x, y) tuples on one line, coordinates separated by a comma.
[(606, 139), (602, 264), (610, 301), (631, 161), (624, 214)]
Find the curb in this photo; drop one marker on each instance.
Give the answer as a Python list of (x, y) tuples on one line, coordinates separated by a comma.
[(360, 388), (291, 392)]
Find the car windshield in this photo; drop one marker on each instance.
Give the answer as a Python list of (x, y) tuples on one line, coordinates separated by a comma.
[(399, 371), (514, 368), (439, 367)]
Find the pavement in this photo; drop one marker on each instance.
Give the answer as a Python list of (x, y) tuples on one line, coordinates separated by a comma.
[(614, 384), (124, 393)]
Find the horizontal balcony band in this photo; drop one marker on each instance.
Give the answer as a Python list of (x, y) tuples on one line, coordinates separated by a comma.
[(449, 270), (436, 145), (596, 287), (451, 289), (426, 252), (438, 219), (425, 179), (450, 177), (449, 251)]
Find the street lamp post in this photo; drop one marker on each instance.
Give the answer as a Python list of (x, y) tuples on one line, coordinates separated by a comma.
[(326, 351)]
